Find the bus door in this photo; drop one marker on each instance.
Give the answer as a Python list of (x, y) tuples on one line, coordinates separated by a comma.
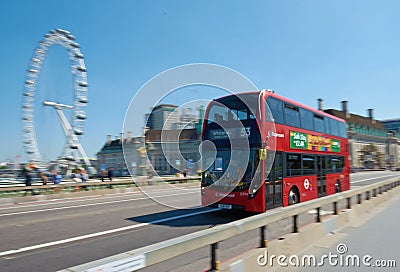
[(321, 175), (273, 182)]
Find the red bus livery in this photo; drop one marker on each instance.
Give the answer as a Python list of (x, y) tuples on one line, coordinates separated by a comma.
[(295, 153)]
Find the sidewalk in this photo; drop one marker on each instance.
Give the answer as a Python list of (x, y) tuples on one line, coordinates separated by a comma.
[(365, 246)]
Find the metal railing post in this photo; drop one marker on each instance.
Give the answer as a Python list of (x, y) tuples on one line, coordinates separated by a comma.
[(214, 262), (295, 227), (335, 210), (262, 237), (359, 198), (349, 203), (318, 219)]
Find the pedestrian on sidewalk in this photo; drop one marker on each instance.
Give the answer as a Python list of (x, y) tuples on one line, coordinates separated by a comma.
[(28, 181), (44, 178), (28, 178), (110, 173)]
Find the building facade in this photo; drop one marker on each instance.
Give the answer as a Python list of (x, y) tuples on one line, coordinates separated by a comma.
[(371, 145), (112, 155), (163, 116), (163, 151)]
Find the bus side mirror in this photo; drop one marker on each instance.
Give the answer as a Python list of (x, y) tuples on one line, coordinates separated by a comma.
[(262, 154)]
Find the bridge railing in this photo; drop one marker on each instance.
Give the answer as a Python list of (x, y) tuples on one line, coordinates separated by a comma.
[(70, 185), (162, 251)]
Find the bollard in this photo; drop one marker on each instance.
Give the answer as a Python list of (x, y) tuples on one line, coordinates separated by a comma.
[(214, 262), (318, 219), (349, 203), (263, 242), (295, 227), (335, 210)]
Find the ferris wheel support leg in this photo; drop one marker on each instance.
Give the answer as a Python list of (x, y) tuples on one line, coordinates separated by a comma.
[(72, 138)]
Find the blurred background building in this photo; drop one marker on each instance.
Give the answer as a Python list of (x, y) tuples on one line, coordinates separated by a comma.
[(166, 129), (371, 144)]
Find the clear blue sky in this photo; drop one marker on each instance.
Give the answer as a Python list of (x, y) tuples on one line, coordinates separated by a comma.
[(304, 50)]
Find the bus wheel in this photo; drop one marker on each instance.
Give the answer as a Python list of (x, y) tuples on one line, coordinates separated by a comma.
[(337, 187), (293, 196)]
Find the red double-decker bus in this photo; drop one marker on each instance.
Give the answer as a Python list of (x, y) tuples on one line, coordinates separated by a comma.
[(295, 153)]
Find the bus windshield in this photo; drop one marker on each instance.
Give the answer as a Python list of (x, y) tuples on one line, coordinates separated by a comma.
[(235, 177)]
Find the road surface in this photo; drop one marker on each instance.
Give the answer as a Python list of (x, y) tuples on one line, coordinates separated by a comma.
[(56, 234)]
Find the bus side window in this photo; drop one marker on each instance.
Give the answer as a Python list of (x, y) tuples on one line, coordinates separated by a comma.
[(327, 125), (276, 108), (292, 116), (334, 127), (306, 117), (319, 124), (342, 129), (329, 165), (293, 165), (337, 164), (308, 164)]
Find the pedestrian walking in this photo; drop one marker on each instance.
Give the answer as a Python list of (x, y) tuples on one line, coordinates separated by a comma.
[(58, 178), (28, 181), (103, 174), (77, 176), (110, 173), (84, 175), (28, 178), (44, 178)]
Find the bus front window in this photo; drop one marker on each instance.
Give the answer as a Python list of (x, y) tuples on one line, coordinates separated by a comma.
[(235, 179)]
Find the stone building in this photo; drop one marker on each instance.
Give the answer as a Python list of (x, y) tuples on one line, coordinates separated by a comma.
[(112, 155), (170, 144), (371, 145), (170, 151), (164, 151)]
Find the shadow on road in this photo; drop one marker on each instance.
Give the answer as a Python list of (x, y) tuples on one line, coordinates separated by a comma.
[(191, 217)]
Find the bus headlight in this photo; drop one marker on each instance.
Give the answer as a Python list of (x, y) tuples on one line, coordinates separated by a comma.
[(253, 193)]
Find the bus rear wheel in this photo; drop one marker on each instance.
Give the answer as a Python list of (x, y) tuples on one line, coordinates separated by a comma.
[(293, 196)]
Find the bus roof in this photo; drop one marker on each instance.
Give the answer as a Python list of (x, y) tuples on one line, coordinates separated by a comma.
[(268, 93)]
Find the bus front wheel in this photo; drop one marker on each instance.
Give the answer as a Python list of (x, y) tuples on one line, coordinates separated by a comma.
[(293, 196)]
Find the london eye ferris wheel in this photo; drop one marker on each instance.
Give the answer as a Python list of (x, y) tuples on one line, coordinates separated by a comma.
[(73, 128)]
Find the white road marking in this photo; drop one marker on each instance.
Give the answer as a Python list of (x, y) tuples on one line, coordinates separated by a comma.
[(78, 238), (353, 182), (94, 204)]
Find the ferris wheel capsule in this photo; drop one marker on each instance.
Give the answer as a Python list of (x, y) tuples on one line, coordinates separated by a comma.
[(73, 146), (78, 132), (78, 55), (81, 69), (83, 99), (83, 84), (81, 116)]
